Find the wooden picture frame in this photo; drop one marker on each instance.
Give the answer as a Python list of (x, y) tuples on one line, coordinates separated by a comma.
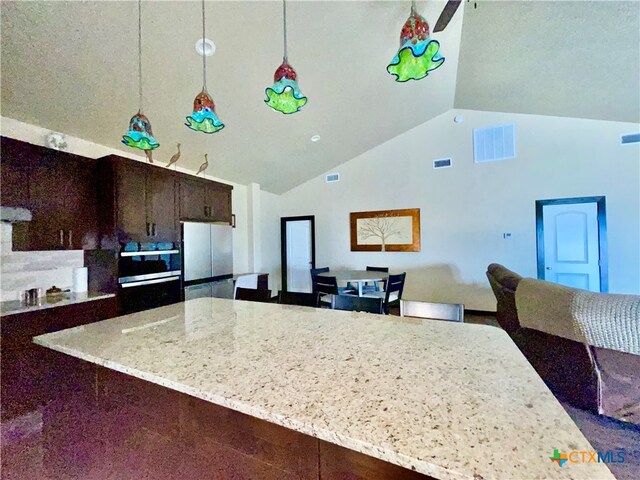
[(371, 230)]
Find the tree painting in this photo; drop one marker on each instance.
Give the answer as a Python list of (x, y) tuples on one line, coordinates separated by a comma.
[(380, 226)]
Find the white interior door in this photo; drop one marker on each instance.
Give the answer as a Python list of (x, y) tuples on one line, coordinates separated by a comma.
[(571, 245), (299, 255)]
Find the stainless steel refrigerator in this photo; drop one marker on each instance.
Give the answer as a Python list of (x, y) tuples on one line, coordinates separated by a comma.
[(207, 260)]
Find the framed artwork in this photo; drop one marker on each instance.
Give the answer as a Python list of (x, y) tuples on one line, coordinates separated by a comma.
[(385, 231)]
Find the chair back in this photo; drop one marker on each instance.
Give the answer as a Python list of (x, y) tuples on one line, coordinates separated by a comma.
[(298, 298), (453, 312), (357, 304), (316, 271), (253, 295), (246, 281), (378, 269), (314, 275), (324, 284), (377, 284), (395, 283)]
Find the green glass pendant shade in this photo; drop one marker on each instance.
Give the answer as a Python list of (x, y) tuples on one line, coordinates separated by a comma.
[(140, 134), (418, 54), (284, 95), (204, 118)]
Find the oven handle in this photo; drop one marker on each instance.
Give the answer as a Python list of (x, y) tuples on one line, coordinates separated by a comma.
[(142, 253), (149, 282)]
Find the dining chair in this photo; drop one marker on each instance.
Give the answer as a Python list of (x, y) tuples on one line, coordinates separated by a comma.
[(376, 285), (246, 281), (298, 298), (253, 295), (325, 287), (357, 304), (453, 312), (393, 293), (314, 274)]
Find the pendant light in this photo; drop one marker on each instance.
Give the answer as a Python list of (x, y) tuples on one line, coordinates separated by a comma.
[(204, 118), (284, 95), (140, 134), (418, 54)]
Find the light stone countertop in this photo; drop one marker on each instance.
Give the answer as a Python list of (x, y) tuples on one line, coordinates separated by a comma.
[(449, 400), (68, 298)]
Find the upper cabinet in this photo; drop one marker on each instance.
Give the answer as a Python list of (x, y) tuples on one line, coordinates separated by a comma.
[(58, 188), (204, 200), (137, 202), (80, 203), (219, 203), (193, 204), (14, 162)]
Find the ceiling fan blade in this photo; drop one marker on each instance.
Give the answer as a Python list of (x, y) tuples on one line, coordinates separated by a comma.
[(446, 15)]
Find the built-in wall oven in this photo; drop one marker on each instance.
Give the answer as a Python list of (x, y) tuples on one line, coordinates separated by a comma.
[(150, 276)]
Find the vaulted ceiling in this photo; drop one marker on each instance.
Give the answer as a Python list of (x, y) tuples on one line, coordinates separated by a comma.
[(562, 58), (72, 67)]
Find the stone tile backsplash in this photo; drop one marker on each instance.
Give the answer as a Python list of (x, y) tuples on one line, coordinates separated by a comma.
[(23, 270)]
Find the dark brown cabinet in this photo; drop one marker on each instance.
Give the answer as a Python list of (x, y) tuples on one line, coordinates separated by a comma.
[(137, 201), (162, 205), (76, 201), (219, 203), (32, 374), (193, 205), (15, 179), (58, 188), (131, 222), (204, 200)]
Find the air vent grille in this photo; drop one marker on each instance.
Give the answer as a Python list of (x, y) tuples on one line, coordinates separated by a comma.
[(630, 138), (493, 143), (442, 163), (333, 177)]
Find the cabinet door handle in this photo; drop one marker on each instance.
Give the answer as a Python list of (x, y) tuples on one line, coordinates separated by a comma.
[(70, 238), (148, 231), (62, 238), (205, 211), (153, 229)]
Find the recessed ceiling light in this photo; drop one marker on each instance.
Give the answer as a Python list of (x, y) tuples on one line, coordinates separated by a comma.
[(206, 47), (458, 119), (315, 138)]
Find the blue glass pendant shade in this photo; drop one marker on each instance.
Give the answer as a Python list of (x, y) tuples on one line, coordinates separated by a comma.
[(140, 134)]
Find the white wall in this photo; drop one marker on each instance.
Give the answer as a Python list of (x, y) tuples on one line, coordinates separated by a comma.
[(271, 205), (36, 135), (466, 209)]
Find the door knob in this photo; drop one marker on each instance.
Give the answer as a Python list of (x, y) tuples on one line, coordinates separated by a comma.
[(548, 268)]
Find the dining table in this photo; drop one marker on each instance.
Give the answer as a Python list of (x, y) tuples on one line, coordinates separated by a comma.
[(357, 277)]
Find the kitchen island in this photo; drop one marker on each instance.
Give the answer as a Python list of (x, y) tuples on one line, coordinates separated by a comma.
[(441, 399)]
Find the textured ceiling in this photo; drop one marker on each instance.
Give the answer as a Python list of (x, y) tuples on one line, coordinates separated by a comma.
[(564, 58), (72, 67)]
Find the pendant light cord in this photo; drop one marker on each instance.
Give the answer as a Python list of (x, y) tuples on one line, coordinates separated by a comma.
[(413, 7), (284, 26), (140, 55), (204, 56)]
